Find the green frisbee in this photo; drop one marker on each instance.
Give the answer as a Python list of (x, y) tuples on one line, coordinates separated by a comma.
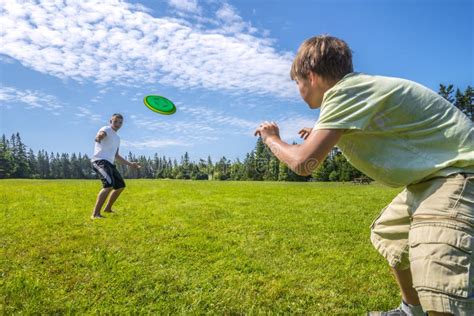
[(159, 104)]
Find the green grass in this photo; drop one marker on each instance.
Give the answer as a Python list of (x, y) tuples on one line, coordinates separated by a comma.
[(193, 248)]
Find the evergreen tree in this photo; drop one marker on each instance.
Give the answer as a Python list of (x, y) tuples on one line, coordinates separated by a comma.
[(33, 165), (283, 172), (261, 160), (44, 166), (65, 167), (76, 167), (222, 169), (6, 159), (237, 170), (465, 101), (55, 164), (322, 172), (273, 170), (86, 167), (446, 92), (250, 172), (210, 168), (20, 168), (184, 169)]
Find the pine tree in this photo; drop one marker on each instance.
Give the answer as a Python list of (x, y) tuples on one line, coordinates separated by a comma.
[(237, 170), (469, 106), (33, 165), (446, 92), (44, 165), (465, 101), (250, 172), (21, 168), (273, 169), (184, 169), (76, 167), (65, 167), (261, 160), (222, 169), (284, 172), (6, 159), (86, 167)]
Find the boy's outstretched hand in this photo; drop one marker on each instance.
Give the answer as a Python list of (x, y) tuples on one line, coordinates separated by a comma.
[(305, 131), (267, 130)]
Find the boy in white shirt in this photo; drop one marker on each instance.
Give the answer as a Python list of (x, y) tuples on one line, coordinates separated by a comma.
[(107, 144)]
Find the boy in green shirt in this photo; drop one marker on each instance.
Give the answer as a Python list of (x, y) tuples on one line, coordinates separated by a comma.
[(400, 134)]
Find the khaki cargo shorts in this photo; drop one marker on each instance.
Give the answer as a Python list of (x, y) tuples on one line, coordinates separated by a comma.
[(429, 228)]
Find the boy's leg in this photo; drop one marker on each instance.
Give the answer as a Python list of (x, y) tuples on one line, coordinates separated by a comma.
[(441, 243), (113, 197), (389, 235), (104, 170), (101, 197), (405, 283), (119, 186)]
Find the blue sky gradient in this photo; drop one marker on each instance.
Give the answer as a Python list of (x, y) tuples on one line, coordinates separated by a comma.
[(65, 69)]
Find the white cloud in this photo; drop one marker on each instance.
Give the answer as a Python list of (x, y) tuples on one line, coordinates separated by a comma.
[(111, 41), (31, 99), (198, 125), (231, 21), (215, 118), (185, 5), (6, 60), (150, 143), (88, 114), (292, 123)]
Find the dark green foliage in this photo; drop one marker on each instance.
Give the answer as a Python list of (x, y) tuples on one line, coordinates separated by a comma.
[(259, 165), (463, 101)]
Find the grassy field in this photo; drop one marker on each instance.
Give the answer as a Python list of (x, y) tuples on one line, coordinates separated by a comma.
[(186, 247)]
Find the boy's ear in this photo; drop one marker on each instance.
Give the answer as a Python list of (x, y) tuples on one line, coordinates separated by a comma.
[(312, 77)]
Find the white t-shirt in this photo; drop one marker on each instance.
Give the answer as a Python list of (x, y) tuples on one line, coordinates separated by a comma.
[(107, 148)]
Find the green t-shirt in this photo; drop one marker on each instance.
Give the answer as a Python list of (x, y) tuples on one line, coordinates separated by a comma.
[(397, 131)]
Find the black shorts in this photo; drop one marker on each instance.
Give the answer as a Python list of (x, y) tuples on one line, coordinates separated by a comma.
[(108, 174)]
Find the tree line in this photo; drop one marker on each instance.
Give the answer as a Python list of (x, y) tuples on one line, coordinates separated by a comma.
[(17, 161)]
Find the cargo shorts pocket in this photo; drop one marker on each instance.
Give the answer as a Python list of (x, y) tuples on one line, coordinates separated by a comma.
[(374, 222), (440, 257)]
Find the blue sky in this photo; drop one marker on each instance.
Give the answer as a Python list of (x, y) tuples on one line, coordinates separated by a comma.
[(66, 68)]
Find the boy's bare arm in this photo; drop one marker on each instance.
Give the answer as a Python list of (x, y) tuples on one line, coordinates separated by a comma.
[(100, 136), (126, 162), (302, 158)]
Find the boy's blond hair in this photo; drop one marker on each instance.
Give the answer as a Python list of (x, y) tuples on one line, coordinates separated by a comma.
[(324, 55)]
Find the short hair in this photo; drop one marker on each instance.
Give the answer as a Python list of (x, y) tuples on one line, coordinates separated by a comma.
[(327, 56), (117, 115)]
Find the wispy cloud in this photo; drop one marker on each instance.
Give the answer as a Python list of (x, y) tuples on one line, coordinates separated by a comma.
[(185, 5), (150, 143), (292, 123), (31, 99), (84, 112), (6, 60), (231, 21), (219, 118), (115, 42)]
